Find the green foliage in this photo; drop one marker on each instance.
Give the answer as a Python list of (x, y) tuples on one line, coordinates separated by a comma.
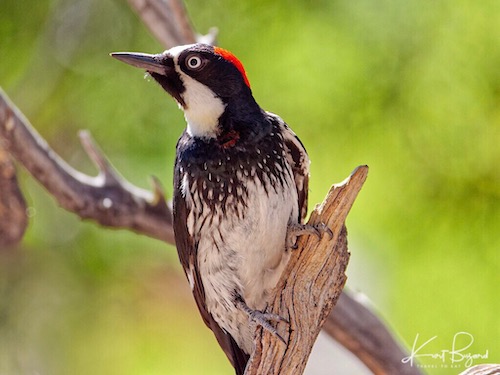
[(410, 88)]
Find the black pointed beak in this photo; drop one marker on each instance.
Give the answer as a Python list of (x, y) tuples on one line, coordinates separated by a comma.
[(161, 67), (151, 63)]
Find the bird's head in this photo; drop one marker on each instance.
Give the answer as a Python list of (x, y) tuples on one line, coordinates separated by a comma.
[(206, 81)]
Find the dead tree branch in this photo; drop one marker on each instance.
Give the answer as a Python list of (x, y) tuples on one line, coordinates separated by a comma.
[(359, 330), (486, 369), (310, 285), (106, 198), (169, 22), (13, 216)]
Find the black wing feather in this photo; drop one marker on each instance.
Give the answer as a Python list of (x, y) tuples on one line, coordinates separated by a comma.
[(299, 160)]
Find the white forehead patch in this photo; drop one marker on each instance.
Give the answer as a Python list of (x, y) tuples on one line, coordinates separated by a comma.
[(203, 107), (177, 50)]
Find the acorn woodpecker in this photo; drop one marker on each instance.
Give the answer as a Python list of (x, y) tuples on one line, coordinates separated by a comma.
[(240, 191)]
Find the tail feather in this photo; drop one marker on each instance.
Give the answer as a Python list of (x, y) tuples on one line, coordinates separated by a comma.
[(240, 358)]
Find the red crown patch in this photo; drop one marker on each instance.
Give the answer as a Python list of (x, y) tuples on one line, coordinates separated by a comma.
[(226, 55)]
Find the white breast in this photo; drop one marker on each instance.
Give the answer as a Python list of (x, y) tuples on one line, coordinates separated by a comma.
[(242, 255)]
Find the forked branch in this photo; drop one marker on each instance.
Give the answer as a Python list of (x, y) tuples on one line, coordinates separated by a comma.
[(106, 198)]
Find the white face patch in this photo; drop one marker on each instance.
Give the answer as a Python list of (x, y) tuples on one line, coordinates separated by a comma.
[(177, 50), (203, 107)]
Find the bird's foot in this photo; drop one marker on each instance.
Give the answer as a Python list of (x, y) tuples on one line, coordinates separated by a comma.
[(296, 230), (264, 319)]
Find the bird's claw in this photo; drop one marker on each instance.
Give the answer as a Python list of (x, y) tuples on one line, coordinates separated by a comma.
[(323, 228), (263, 319), (296, 230)]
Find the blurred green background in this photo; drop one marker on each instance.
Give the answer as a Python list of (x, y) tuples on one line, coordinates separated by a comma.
[(411, 88)]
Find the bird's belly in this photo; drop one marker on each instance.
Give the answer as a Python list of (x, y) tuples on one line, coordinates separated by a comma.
[(243, 253)]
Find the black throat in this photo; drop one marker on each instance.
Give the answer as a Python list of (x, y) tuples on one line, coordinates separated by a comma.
[(243, 119)]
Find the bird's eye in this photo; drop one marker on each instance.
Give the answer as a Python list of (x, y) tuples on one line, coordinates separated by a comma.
[(194, 62)]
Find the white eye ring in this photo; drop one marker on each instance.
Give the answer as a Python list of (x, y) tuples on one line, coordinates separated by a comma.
[(193, 62)]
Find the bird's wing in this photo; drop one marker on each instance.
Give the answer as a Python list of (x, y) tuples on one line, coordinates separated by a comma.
[(299, 160), (187, 250)]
